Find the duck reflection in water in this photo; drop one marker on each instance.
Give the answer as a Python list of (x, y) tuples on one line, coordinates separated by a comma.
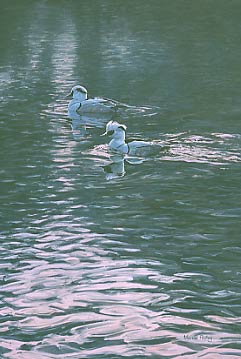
[(116, 168)]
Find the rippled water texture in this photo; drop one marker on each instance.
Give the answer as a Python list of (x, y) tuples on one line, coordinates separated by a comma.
[(105, 256)]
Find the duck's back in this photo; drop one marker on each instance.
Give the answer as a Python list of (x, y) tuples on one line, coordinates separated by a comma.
[(96, 105)]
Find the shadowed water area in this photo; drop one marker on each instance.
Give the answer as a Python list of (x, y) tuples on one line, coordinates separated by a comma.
[(109, 256)]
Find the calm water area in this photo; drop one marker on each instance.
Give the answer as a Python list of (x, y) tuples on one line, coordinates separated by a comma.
[(105, 256)]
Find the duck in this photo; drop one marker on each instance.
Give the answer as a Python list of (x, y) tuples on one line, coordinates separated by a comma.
[(80, 103), (118, 143)]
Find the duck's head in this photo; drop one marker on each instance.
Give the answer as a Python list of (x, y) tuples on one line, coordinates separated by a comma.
[(113, 128), (78, 92)]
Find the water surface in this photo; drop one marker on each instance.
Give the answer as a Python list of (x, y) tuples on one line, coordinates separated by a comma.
[(109, 257)]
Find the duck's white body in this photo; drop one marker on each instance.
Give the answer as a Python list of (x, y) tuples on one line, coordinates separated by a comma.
[(118, 142), (81, 104)]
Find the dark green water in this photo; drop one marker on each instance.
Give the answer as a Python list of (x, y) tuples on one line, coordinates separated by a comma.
[(94, 265)]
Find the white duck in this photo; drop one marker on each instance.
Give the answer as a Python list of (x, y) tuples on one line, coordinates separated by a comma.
[(81, 104), (119, 144)]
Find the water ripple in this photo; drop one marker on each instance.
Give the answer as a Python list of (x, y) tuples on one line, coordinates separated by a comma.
[(216, 149)]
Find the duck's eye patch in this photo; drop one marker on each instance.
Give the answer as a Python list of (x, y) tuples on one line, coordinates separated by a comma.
[(109, 133)]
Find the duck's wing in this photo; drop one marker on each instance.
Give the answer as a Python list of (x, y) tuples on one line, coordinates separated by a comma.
[(132, 139)]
